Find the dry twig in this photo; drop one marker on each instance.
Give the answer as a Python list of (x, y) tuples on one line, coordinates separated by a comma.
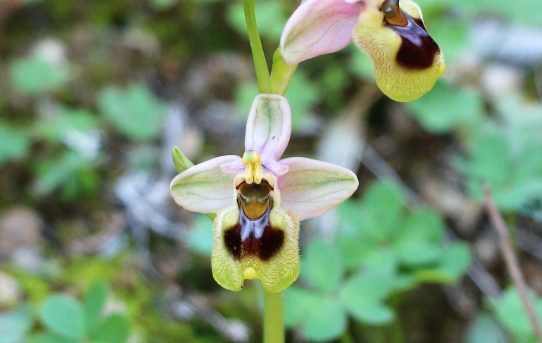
[(511, 260)]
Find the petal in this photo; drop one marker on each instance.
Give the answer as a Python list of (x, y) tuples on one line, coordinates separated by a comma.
[(231, 266), (311, 187), (205, 187), (407, 60), (319, 27), (269, 126)]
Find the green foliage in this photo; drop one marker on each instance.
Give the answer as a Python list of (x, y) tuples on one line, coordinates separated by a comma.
[(381, 249), (63, 316), (34, 75), (15, 325), (14, 143), (67, 122), (486, 329), (94, 303), (162, 4), (72, 172), (322, 266), (511, 313), (271, 17), (509, 159), (446, 108), (133, 110), (68, 320)]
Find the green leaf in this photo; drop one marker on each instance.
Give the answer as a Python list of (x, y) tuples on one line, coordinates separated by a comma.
[(65, 123), (114, 329), (488, 160), (62, 171), (422, 223), (134, 111), (352, 245), (366, 287), (485, 329), (446, 108), (14, 143), (322, 265), (15, 325), (454, 262), (51, 338), (298, 304), (513, 170), (416, 251), (381, 260), (373, 314), (325, 322), (64, 316), (511, 313), (34, 75), (363, 294), (381, 208), (94, 304)]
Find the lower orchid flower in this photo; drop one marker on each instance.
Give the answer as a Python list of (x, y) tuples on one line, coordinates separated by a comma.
[(259, 200), (406, 59)]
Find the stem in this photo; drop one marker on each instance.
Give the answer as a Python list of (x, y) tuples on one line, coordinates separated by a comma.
[(260, 64), (273, 324), (511, 261), (281, 73)]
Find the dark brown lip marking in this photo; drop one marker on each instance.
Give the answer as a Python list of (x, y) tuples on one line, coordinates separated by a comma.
[(253, 235), (253, 238), (418, 49)]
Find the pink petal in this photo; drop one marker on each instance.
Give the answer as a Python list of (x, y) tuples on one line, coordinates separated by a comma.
[(205, 187), (269, 126), (319, 27), (311, 188)]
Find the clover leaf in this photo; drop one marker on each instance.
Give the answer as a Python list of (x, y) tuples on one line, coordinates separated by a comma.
[(133, 110)]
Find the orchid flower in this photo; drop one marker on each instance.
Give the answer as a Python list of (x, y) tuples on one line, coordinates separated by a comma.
[(260, 199), (406, 59)]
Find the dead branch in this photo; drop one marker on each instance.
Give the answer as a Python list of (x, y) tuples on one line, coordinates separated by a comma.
[(510, 260)]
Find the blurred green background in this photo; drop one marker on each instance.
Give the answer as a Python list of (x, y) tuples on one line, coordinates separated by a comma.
[(94, 94)]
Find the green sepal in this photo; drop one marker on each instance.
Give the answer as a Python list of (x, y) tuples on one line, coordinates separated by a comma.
[(180, 161)]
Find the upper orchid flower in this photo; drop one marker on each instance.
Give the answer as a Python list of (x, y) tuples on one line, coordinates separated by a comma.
[(259, 200), (407, 60)]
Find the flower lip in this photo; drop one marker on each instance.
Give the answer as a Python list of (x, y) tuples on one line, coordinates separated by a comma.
[(253, 238), (418, 49)]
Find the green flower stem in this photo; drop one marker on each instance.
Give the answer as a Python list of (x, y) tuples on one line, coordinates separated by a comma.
[(260, 64), (273, 323), (281, 73)]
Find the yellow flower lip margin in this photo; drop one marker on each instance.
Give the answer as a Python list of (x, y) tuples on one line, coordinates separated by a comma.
[(293, 189), (406, 59)]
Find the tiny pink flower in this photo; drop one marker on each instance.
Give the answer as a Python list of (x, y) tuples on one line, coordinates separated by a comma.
[(406, 59), (259, 200)]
